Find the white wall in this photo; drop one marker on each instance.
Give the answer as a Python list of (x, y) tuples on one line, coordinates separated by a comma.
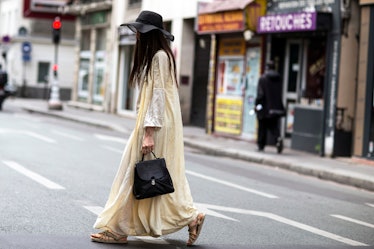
[(41, 52), (172, 9), (11, 19)]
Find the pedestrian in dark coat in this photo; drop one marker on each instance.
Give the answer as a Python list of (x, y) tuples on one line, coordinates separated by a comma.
[(269, 108)]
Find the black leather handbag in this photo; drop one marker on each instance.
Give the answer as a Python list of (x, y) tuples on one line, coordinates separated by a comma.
[(151, 178)]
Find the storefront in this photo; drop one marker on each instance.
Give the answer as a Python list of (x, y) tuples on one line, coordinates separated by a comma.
[(235, 66), (93, 31), (93, 40), (305, 42)]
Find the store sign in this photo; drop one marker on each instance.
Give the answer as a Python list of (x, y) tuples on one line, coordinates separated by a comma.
[(231, 47), (228, 115), (221, 22), (363, 2), (291, 22)]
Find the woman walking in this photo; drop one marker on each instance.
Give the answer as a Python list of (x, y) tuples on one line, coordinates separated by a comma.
[(158, 128)]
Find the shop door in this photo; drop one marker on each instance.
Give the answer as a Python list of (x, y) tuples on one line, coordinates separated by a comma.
[(293, 76), (369, 148), (127, 95), (200, 82), (251, 80)]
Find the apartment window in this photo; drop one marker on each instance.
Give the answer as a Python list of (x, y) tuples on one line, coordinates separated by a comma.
[(133, 3), (85, 40), (43, 72), (100, 39), (84, 65), (94, 18)]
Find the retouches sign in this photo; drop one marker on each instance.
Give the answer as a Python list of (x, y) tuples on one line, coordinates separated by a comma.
[(291, 22)]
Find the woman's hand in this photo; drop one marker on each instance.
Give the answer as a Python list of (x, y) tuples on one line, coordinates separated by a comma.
[(148, 142)]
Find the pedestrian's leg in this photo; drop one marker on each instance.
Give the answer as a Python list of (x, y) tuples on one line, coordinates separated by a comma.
[(1, 102), (261, 134), (275, 132)]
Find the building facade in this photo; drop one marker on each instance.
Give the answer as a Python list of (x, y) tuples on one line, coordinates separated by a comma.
[(95, 33), (236, 61), (105, 53), (314, 44), (28, 53), (179, 19)]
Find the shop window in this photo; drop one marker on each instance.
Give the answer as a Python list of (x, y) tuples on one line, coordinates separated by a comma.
[(94, 18), (230, 86), (43, 72), (98, 86), (100, 39), (83, 75), (85, 40), (294, 68), (134, 3), (315, 74)]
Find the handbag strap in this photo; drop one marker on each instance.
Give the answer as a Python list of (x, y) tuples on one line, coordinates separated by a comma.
[(152, 154)]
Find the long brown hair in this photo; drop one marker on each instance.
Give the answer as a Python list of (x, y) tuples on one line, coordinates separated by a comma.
[(146, 47)]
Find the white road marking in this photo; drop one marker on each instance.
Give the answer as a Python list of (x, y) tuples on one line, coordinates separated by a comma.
[(288, 222), (68, 135), (370, 204), (38, 136), (152, 240), (203, 209), (27, 117), (94, 209), (353, 220), (112, 149), (233, 185), (147, 239), (32, 175), (29, 133), (110, 138)]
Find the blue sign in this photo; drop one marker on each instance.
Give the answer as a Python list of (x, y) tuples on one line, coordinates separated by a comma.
[(26, 51)]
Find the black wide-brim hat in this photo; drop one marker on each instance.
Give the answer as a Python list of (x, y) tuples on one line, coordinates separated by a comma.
[(147, 21)]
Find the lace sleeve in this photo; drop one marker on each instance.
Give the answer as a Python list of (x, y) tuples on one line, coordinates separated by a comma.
[(155, 113)]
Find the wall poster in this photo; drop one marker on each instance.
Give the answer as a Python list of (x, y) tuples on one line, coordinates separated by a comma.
[(252, 74)]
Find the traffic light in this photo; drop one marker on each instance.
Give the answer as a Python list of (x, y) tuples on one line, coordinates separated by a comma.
[(55, 69), (56, 30)]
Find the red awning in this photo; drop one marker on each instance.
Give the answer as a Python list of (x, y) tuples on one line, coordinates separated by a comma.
[(222, 5)]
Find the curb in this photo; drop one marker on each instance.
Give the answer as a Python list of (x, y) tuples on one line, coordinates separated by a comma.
[(345, 179), (86, 121)]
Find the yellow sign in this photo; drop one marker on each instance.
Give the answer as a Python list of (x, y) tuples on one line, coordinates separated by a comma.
[(228, 116), (363, 2), (221, 22), (231, 46)]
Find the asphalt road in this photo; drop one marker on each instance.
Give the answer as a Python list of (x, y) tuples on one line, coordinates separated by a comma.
[(55, 177)]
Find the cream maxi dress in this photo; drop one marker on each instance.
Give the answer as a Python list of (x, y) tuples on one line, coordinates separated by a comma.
[(158, 106)]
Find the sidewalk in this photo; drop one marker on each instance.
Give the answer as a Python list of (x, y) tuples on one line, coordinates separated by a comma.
[(350, 171)]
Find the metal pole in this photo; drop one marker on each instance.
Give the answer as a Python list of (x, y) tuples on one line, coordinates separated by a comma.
[(54, 102), (210, 88), (23, 88)]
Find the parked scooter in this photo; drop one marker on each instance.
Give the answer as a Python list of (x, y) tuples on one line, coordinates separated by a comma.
[(6, 90)]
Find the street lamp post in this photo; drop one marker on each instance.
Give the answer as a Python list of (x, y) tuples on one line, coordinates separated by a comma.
[(54, 102)]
